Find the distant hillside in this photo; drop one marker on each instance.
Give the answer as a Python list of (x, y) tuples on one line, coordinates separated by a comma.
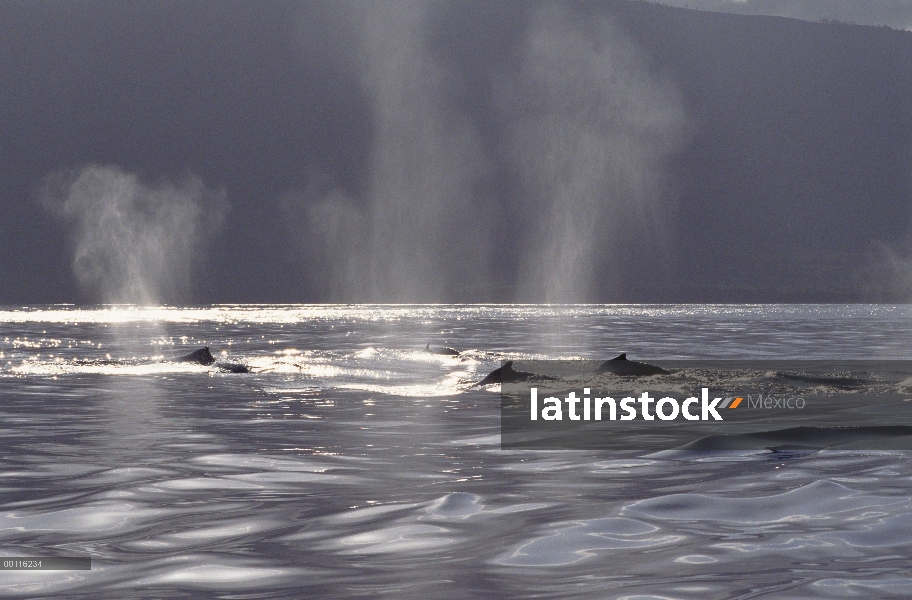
[(472, 151), (797, 182)]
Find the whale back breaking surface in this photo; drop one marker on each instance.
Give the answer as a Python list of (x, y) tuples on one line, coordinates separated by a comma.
[(809, 438), (231, 367), (201, 356), (506, 374), (619, 365), (499, 374), (443, 351)]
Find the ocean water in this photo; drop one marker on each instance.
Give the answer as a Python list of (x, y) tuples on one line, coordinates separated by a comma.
[(350, 463)]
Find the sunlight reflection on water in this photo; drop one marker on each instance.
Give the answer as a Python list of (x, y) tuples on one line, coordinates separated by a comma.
[(351, 463)]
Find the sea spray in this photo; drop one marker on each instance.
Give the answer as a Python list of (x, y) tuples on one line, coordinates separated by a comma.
[(419, 230), (589, 130), (534, 177), (134, 242)]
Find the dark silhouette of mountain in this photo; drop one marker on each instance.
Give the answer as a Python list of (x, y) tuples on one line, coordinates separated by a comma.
[(799, 172), (791, 182)]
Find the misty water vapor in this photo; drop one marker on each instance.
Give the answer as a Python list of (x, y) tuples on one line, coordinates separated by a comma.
[(589, 131), (418, 232), (580, 126), (133, 242)]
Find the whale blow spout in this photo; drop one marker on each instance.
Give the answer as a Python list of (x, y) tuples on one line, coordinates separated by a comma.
[(619, 365), (201, 356)]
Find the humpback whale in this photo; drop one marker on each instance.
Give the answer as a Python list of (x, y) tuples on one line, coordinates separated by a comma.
[(506, 374), (810, 438), (233, 367), (201, 356), (205, 358), (619, 365), (837, 382), (444, 351)]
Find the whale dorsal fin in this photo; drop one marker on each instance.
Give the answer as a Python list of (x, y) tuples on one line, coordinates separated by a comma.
[(508, 366), (427, 347), (621, 357)]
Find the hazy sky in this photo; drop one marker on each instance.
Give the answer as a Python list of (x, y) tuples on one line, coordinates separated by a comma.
[(291, 151)]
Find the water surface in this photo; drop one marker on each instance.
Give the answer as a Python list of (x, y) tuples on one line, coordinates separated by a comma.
[(351, 463)]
